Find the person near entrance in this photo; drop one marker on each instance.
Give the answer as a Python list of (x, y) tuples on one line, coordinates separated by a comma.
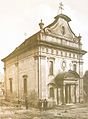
[(40, 104), (45, 104)]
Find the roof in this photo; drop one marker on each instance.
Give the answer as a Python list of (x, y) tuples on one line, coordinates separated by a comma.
[(33, 41), (69, 75), (29, 43), (65, 17)]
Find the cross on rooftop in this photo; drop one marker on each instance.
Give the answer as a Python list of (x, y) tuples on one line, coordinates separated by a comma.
[(61, 7)]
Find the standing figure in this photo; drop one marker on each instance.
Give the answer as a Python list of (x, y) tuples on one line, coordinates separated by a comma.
[(26, 102), (45, 104), (40, 104)]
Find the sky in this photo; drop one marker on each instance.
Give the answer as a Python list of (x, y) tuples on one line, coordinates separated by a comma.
[(19, 19)]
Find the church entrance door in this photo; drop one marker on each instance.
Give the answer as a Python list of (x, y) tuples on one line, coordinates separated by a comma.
[(68, 93)]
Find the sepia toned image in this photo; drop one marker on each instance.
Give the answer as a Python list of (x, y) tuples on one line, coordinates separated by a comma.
[(44, 59)]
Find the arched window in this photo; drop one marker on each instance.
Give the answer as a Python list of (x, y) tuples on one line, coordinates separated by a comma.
[(51, 92), (63, 30), (25, 83), (74, 67), (50, 67), (10, 81)]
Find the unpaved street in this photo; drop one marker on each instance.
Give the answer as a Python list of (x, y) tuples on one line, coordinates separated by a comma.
[(79, 111)]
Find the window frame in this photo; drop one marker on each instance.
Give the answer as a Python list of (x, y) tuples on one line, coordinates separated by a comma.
[(10, 85), (52, 67)]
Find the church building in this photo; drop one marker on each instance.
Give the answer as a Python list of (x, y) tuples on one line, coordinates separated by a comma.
[(49, 62)]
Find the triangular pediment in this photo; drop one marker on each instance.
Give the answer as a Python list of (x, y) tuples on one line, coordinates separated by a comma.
[(61, 28)]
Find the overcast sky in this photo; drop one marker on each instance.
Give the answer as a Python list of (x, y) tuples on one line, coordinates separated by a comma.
[(18, 17)]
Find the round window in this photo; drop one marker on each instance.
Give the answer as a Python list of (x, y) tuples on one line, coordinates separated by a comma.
[(63, 65)]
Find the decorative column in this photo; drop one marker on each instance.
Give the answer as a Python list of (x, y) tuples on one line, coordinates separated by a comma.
[(5, 85), (70, 86), (79, 46), (75, 92), (38, 59), (64, 93), (17, 71), (57, 95), (39, 75)]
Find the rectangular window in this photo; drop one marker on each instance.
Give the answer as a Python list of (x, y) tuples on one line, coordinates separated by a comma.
[(50, 67), (73, 55), (61, 53), (69, 54), (10, 81)]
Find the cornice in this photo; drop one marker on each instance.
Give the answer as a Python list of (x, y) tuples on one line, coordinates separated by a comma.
[(62, 47), (39, 56)]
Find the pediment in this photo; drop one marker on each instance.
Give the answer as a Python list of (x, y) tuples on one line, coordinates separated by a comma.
[(61, 28)]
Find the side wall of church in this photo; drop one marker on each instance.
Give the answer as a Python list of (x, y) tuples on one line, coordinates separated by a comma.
[(16, 68)]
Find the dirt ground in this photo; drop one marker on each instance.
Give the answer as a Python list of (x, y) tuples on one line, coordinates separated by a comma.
[(76, 111)]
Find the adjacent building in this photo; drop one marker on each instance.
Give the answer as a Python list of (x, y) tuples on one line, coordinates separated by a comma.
[(49, 63), (85, 86), (1, 85)]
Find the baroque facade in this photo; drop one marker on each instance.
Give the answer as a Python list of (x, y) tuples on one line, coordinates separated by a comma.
[(50, 63)]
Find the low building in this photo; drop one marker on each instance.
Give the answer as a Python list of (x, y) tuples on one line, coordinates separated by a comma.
[(85, 86), (1, 85), (49, 63)]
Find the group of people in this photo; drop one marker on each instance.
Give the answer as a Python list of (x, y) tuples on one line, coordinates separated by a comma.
[(42, 104)]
